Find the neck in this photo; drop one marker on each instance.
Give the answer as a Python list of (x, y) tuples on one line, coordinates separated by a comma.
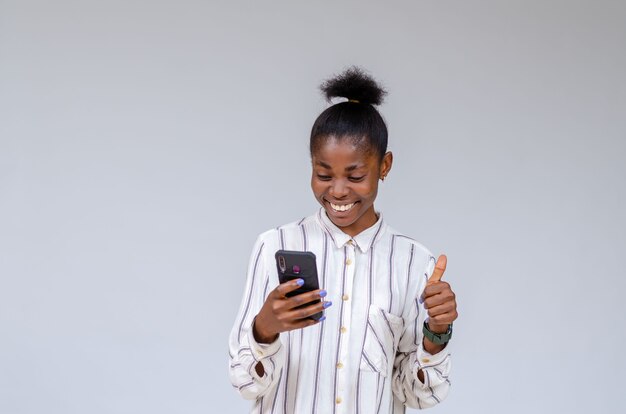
[(367, 220)]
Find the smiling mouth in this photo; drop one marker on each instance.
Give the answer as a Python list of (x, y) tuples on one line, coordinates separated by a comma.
[(341, 208)]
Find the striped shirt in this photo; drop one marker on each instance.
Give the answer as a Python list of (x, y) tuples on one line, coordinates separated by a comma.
[(365, 356)]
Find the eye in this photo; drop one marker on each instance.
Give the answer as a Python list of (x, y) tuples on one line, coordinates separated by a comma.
[(356, 179), (323, 177)]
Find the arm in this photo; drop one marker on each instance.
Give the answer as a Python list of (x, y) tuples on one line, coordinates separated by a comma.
[(421, 368), (256, 352), (245, 351)]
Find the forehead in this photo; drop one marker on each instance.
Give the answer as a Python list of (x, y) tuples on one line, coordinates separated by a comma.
[(342, 153)]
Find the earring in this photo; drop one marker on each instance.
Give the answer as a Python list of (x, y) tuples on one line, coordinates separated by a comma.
[(383, 178)]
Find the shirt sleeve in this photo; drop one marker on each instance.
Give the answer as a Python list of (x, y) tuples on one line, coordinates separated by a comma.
[(245, 352), (412, 357)]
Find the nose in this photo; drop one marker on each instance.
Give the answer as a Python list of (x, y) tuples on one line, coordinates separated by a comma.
[(338, 189)]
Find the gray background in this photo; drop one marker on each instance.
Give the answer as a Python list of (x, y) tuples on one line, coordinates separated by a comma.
[(145, 144)]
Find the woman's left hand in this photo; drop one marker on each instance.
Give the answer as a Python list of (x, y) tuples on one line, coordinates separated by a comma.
[(440, 302)]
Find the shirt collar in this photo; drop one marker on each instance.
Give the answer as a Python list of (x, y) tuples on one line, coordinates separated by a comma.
[(364, 240)]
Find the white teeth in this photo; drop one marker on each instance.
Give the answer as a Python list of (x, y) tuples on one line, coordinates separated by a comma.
[(338, 207)]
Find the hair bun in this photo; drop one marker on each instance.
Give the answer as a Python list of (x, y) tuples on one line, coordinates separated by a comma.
[(355, 85)]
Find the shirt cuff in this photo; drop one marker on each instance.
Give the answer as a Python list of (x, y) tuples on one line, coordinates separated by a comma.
[(425, 360), (262, 351)]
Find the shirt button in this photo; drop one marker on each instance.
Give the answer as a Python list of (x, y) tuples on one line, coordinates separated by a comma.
[(349, 262), (350, 242), (339, 365), (425, 360), (344, 329), (338, 400), (345, 297)]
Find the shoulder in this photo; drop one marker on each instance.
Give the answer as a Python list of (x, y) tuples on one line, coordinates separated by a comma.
[(421, 261), (274, 235), (418, 249), (298, 224)]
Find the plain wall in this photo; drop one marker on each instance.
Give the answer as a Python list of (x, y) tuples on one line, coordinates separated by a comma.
[(145, 144)]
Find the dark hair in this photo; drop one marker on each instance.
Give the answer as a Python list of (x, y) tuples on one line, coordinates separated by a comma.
[(356, 119)]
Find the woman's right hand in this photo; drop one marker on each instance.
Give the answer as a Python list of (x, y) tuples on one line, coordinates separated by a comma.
[(278, 314)]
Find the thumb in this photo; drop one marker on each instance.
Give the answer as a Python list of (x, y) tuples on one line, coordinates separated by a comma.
[(440, 267)]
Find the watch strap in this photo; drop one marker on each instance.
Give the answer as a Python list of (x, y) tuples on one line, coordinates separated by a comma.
[(437, 338)]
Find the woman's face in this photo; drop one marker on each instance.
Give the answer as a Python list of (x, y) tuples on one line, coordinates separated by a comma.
[(345, 182)]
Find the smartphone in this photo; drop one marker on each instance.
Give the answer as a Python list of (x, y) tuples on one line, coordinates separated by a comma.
[(293, 264)]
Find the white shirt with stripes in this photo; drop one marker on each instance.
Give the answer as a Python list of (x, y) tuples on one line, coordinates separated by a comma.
[(365, 356)]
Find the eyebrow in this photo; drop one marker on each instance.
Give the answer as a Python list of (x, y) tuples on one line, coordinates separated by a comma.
[(348, 168)]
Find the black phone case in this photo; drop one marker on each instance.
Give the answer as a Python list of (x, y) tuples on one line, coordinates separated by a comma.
[(299, 265)]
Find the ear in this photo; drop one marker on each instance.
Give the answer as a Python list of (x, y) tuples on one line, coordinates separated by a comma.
[(385, 165)]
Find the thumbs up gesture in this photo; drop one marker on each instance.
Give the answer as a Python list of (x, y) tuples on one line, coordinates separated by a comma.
[(439, 299)]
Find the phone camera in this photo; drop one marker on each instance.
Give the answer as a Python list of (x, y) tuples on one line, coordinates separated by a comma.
[(282, 264)]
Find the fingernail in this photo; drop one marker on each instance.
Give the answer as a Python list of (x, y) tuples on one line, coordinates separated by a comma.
[(323, 293), (322, 318), (421, 300), (300, 282), (327, 304)]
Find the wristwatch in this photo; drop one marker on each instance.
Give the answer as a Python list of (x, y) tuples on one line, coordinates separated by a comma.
[(437, 338)]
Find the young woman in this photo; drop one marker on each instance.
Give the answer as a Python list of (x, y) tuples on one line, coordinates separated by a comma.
[(381, 344)]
